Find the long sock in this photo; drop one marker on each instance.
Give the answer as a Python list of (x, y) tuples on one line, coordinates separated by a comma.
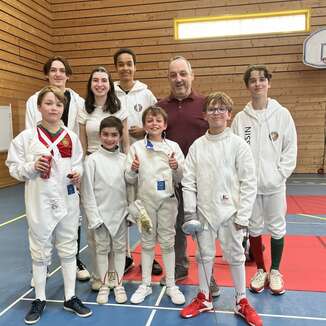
[(69, 269), (119, 264), (277, 246), (102, 266), (169, 263), (256, 245), (204, 274), (239, 279), (39, 277), (147, 257)]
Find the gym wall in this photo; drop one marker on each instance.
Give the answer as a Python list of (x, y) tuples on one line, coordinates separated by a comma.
[(88, 33)]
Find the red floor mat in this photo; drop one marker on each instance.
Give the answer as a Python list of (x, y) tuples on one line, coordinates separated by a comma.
[(306, 204), (303, 264)]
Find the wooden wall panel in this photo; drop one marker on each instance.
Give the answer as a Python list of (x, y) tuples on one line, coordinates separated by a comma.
[(25, 43), (89, 32)]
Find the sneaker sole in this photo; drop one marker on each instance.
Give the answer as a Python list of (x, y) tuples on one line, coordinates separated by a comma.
[(256, 290), (75, 312), (138, 302), (216, 294), (243, 317), (32, 322), (83, 278), (199, 312), (276, 292)]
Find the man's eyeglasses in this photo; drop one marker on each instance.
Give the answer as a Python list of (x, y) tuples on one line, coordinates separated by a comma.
[(220, 109)]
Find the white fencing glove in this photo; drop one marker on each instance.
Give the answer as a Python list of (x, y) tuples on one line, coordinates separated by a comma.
[(138, 215), (191, 224)]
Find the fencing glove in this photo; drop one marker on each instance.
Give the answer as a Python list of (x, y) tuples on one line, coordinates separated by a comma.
[(138, 215), (191, 224)]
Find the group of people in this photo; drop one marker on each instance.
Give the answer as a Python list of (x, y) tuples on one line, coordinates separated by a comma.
[(164, 165)]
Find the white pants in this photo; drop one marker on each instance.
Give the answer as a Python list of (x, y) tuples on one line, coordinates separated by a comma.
[(163, 220), (63, 237), (230, 240), (269, 211), (106, 244)]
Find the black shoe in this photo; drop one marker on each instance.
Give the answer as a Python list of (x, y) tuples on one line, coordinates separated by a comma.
[(34, 314), (214, 289), (76, 306), (82, 273), (129, 264), (156, 268)]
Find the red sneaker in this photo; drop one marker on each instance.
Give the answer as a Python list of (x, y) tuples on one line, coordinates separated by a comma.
[(197, 305), (248, 313)]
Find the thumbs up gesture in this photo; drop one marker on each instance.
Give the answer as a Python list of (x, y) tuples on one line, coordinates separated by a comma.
[(135, 163), (173, 162)]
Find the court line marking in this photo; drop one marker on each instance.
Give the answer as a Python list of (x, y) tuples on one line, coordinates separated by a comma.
[(226, 312), (305, 223), (158, 301), (313, 216), (12, 220), (31, 289)]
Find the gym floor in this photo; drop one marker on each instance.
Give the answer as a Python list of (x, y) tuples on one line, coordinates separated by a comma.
[(293, 308)]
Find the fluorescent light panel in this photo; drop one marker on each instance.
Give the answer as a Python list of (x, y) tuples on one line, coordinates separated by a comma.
[(280, 22)]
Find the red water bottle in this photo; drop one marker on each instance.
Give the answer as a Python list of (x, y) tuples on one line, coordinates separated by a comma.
[(46, 174)]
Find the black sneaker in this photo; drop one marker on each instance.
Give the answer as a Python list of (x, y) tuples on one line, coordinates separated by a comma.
[(129, 264), (82, 273), (34, 314), (156, 269), (76, 306)]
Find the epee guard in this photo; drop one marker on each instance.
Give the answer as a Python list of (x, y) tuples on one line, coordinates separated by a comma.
[(314, 49)]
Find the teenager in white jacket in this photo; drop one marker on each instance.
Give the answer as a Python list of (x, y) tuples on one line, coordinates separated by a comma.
[(270, 131), (135, 97), (104, 198), (48, 158), (219, 190), (58, 71), (156, 165)]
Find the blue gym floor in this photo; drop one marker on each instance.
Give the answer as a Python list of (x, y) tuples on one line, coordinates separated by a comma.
[(293, 308)]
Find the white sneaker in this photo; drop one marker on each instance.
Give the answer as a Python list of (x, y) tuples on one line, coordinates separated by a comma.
[(120, 294), (259, 281), (95, 284), (276, 283), (176, 295), (82, 273), (112, 280), (140, 294), (103, 295)]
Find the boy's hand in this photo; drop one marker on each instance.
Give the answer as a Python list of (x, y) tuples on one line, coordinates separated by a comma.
[(135, 164), (173, 162), (74, 178), (42, 165)]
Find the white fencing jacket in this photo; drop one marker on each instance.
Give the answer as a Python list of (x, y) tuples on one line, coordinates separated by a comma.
[(33, 115), (219, 179), (272, 137), (103, 189), (156, 180), (138, 99), (47, 200)]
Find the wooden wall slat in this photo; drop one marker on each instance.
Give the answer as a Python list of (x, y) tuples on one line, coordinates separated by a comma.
[(89, 32), (25, 44)]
